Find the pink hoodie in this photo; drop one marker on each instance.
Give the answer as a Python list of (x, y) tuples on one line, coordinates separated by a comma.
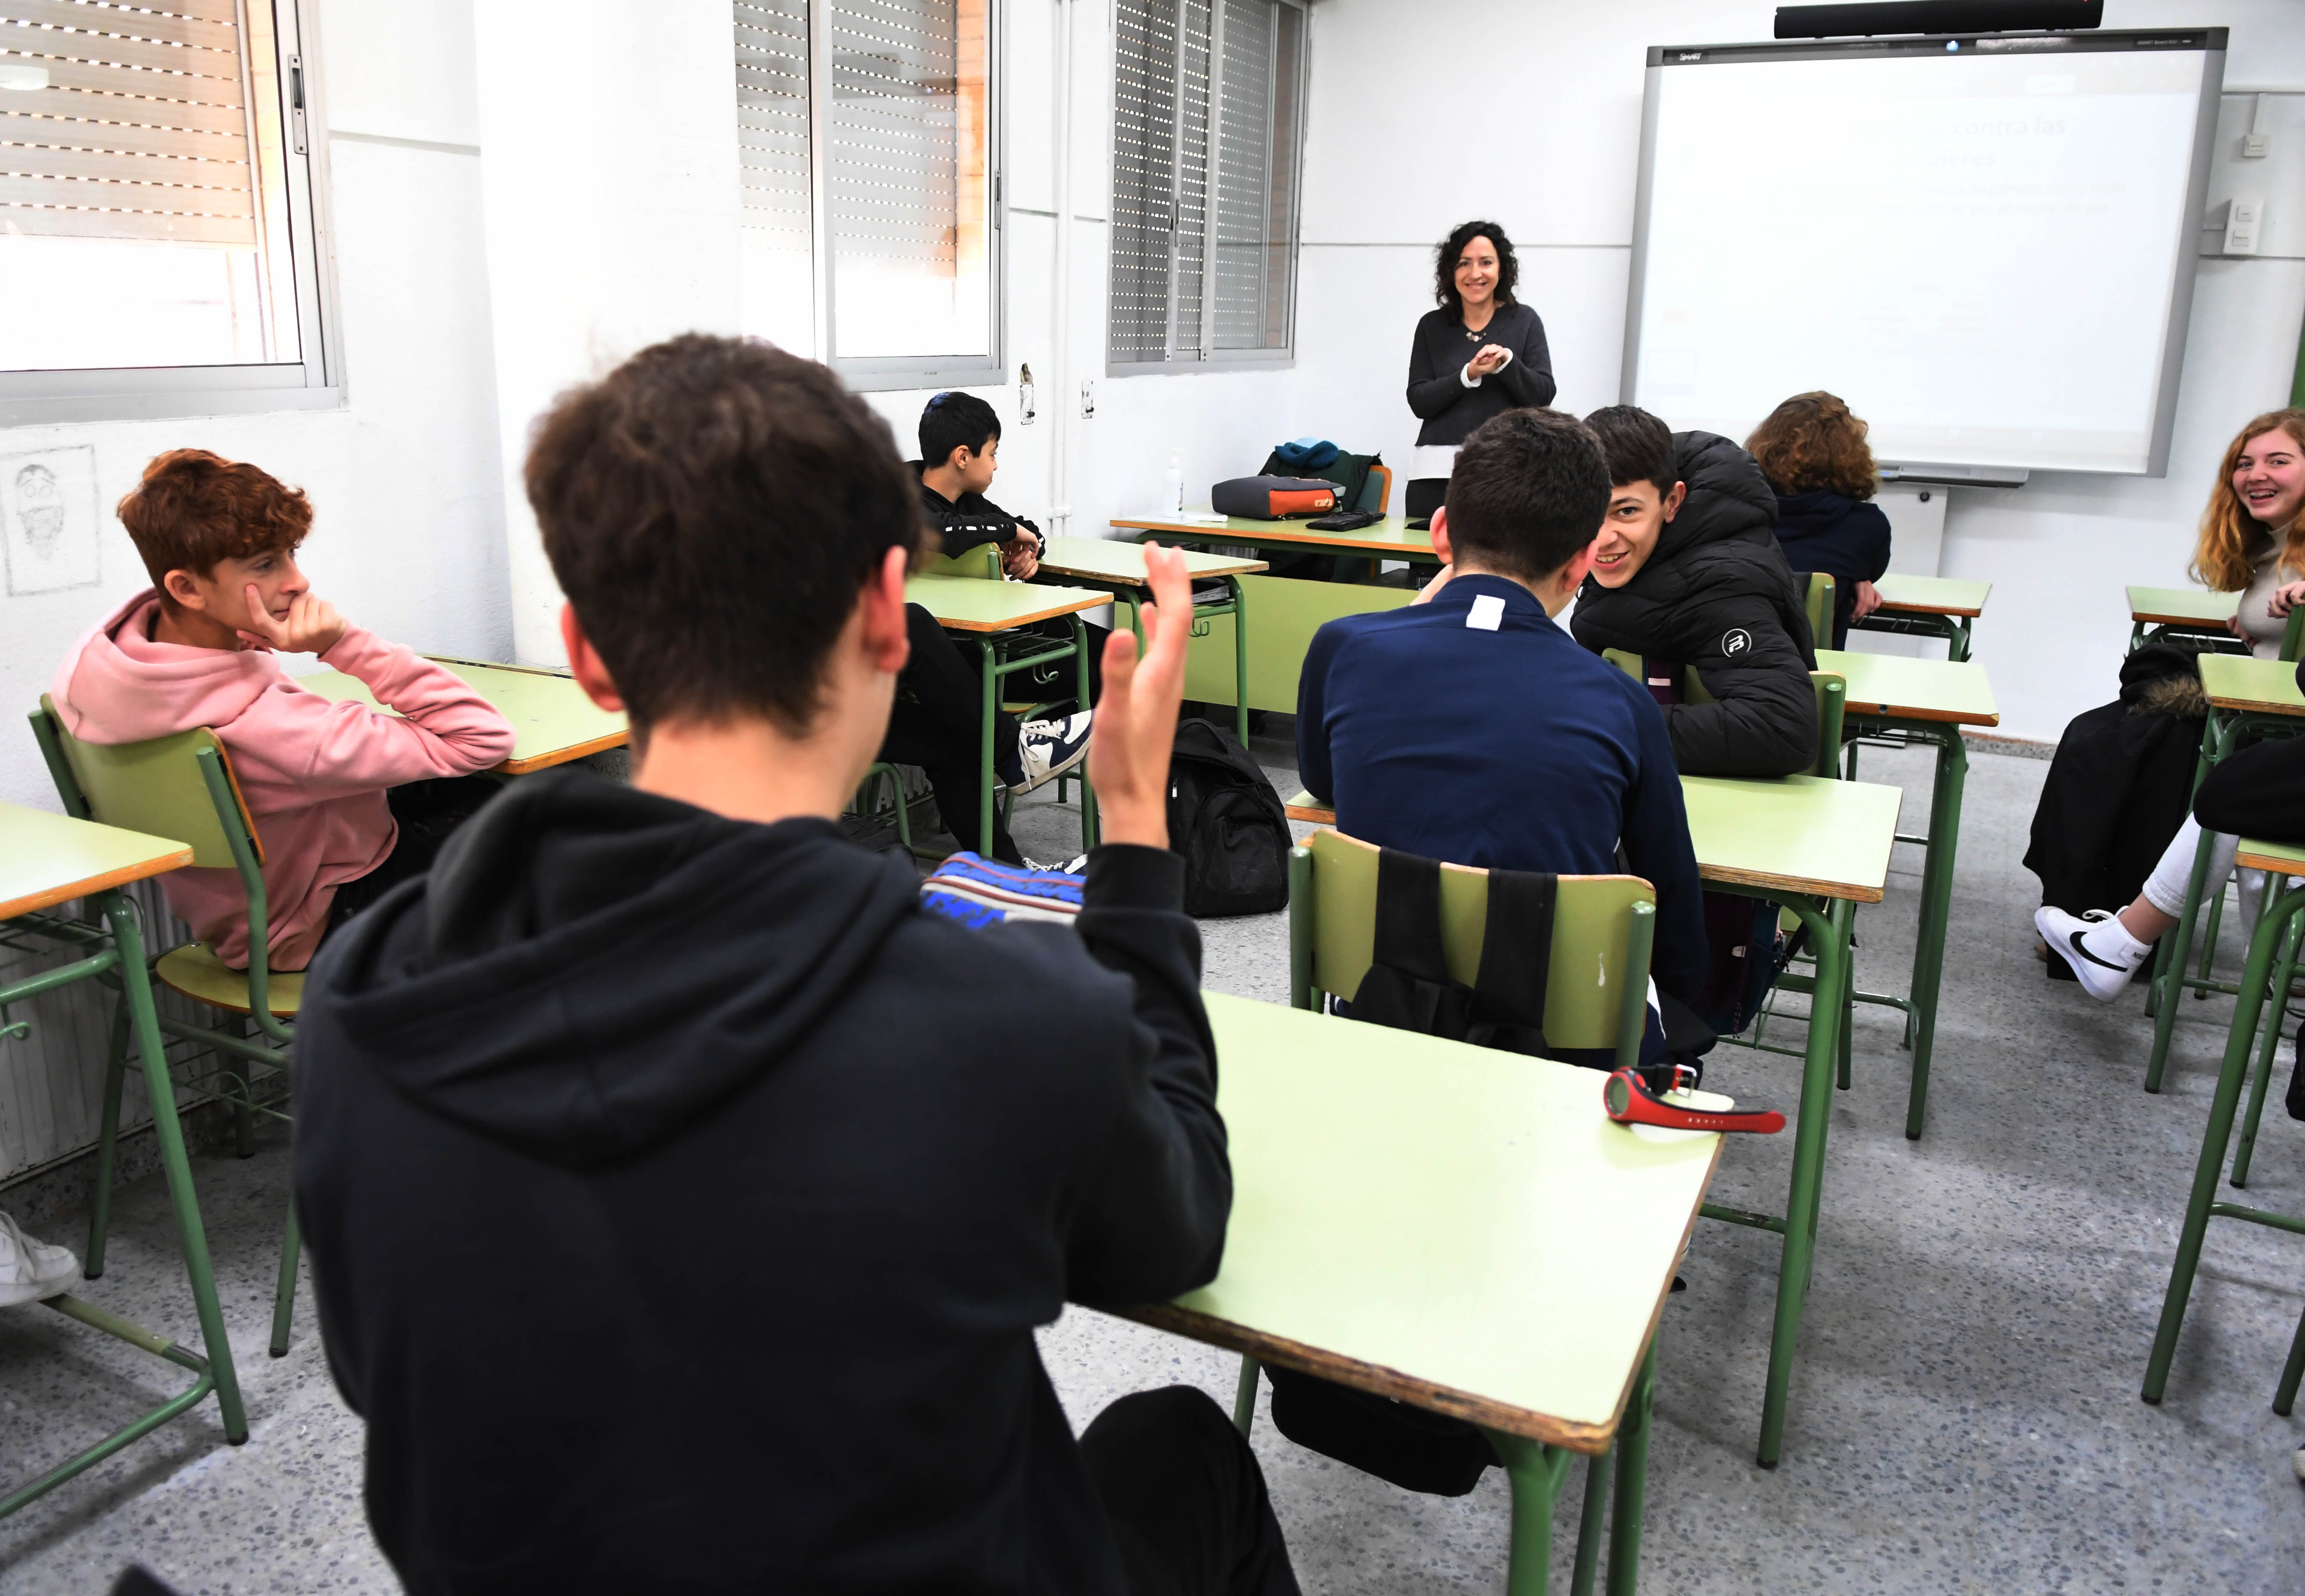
[(312, 771)]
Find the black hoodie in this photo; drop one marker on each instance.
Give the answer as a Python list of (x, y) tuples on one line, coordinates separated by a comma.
[(1716, 594), (681, 1200)]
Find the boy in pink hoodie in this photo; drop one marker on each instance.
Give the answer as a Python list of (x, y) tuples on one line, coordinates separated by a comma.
[(198, 648)]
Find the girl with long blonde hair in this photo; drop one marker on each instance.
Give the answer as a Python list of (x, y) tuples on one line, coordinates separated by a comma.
[(2252, 538)]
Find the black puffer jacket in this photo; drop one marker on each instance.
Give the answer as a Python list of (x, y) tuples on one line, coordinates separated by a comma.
[(1716, 594)]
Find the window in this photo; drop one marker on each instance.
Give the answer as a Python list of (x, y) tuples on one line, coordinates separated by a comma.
[(871, 223), (1206, 136), (156, 209)]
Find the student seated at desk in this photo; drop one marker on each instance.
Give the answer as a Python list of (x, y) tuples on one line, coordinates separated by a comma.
[(2255, 792), (1468, 727), (346, 801), (939, 698), (2252, 536), (682, 1197), (1814, 453), (1686, 574)]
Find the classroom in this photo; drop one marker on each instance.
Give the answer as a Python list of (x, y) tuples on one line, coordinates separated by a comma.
[(780, 822)]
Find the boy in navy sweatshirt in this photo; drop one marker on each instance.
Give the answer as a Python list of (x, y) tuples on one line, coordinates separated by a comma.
[(1469, 727)]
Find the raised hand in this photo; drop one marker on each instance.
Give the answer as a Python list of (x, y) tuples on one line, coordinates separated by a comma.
[(1136, 720), (312, 625)]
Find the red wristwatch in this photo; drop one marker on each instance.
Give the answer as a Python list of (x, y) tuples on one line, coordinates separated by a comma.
[(1631, 1102)]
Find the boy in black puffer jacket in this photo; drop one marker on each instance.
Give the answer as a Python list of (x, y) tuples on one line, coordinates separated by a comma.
[(1688, 571)]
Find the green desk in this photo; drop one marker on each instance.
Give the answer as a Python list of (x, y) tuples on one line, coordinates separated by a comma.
[(1928, 606), (2271, 965), (1118, 568), (1415, 1218), (2244, 694), (1288, 609), (1905, 701), (993, 615), (552, 720), (2192, 611), (1792, 842), (46, 860)]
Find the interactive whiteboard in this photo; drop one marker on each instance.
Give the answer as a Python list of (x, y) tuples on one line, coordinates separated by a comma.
[(1984, 244)]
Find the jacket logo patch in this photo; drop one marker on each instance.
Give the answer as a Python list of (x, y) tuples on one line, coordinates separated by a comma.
[(1736, 642)]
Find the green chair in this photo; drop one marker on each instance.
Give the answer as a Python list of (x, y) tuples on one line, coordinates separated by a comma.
[(868, 801), (1832, 702), (1822, 596), (182, 786), (1596, 996), (2292, 638)]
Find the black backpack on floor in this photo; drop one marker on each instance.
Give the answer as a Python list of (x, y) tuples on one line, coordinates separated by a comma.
[(1228, 823)]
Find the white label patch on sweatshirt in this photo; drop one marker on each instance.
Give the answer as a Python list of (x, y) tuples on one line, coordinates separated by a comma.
[(1487, 610)]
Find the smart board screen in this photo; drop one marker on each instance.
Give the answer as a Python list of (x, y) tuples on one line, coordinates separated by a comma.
[(1987, 251)]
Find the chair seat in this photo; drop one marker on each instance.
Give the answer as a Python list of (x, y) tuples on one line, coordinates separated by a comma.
[(199, 974)]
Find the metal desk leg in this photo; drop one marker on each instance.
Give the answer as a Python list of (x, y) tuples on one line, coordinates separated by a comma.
[(2172, 981), (985, 775), (1632, 1481), (1538, 1471), (1830, 932), (144, 1020), (1240, 654), (2215, 1138), (2284, 971), (1590, 1524), (1088, 792), (1936, 914)]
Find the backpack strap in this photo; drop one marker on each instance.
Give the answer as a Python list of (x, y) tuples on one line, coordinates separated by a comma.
[(1515, 960), (1408, 915)]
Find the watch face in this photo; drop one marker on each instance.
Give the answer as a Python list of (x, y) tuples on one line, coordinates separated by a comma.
[(1618, 1096)]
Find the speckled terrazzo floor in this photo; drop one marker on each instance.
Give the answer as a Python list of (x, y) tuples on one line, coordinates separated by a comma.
[(1964, 1414)]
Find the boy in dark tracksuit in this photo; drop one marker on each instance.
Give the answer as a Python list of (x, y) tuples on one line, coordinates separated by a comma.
[(680, 1200), (939, 711), (1469, 727), (1687, 574)]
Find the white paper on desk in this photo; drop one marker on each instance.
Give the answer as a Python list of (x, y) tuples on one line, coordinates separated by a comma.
[(1197, 517)]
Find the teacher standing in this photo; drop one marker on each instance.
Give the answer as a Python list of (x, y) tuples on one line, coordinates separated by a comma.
[(1483, 353)]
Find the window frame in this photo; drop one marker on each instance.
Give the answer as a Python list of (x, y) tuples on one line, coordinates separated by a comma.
[(896, 373), (315, 381), (1208, 357)]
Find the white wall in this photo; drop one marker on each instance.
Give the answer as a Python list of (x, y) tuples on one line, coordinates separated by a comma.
[(1401, 148), (407, 533)]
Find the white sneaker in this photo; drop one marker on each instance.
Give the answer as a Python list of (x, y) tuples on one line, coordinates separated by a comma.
[(2297, 1462), (1049, 748), (2097, 946), (29, 1269)]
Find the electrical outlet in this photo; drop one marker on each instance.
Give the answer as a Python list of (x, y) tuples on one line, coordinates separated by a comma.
[(1088, 395), (2244, 220), (2256, 147)]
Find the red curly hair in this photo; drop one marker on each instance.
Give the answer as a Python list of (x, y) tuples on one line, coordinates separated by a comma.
[(1811, 442), (194, 508)]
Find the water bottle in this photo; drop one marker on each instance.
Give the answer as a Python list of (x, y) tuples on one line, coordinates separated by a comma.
[(1173, 497)]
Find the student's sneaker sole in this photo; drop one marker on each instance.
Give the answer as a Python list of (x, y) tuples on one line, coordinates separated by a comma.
[(2061, 934)]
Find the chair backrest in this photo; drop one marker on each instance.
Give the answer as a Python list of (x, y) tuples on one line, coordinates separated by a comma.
[(979, 560), (1376, 492), (2293, 639), (1821, 599), (1597, 990), (1832, 703), (156, 788)]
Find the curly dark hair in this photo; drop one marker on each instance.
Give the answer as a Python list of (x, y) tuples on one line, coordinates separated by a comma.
[(1445, 264), (712, 508), (1812, 441)]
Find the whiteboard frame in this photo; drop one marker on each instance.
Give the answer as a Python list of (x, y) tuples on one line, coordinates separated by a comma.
[(2208, 41)]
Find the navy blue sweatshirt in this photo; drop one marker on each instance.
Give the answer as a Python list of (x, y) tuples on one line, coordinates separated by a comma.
[(1846, 538), (1510, 749)]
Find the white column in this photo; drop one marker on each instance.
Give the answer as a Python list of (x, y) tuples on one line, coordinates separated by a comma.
[(609, 194)]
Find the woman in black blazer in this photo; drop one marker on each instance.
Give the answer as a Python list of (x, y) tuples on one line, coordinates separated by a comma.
[(1482, 354)]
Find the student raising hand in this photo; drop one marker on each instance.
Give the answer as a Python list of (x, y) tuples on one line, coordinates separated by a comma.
[(305, 625), (1136, 718)]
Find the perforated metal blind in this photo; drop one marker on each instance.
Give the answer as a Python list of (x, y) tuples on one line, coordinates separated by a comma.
[(892, 157), (772, 120), (1204, 177), (143, 130)]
